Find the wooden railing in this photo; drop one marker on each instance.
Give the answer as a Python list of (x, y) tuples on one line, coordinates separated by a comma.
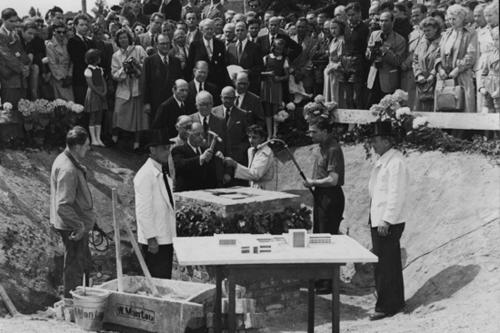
[(448, 120)]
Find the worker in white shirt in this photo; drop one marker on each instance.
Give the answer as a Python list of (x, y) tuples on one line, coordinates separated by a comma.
[(389, 182), (155, 207)]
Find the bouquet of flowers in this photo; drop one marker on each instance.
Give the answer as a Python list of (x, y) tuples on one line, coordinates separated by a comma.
[(319, 109)]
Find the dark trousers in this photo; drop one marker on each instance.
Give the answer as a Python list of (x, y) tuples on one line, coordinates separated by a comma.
[(376, 93), (328, 209), (77, 260), (389, 271), (160, 263)]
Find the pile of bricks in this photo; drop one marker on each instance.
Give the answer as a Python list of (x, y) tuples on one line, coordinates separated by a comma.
[(247, 318)]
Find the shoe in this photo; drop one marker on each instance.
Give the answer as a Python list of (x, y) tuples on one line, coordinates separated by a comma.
[(378, 315)]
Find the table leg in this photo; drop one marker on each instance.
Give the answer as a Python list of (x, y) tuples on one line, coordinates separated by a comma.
[(335, 300), (231, 305), (310, 307), (218, 299)]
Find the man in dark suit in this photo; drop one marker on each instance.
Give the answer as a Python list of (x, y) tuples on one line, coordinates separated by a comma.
[(292, 49), (168, 111), (78, 45), (192, 163), (160, 72), (213, 52), (248, 101), (199, 83), (246, 55), (193, 33), (215, 124), (236, 123)]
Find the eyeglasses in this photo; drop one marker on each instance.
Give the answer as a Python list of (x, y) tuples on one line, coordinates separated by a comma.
[(60, 32)]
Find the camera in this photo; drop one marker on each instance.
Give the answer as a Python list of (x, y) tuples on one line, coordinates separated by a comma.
[(130, 66), (376, 53)]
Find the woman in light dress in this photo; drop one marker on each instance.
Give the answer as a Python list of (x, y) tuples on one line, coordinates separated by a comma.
[(333, 74)]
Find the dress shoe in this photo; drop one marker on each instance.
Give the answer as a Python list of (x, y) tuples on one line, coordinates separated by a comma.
[(379, 315)]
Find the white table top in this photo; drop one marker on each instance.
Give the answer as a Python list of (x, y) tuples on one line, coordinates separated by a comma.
[(207, 251)]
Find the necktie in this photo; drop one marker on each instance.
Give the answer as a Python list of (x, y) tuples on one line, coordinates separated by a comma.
[(272, 40), (240, 50), (183, 110), (228, 115), (209, 50), (237, 101), (205, 124), (254, 151), (165, 60), (165, 172)]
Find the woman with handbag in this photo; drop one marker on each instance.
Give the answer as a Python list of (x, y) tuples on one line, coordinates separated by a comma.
[(455, 89), (424, 61), (60, 64), (126, 69)]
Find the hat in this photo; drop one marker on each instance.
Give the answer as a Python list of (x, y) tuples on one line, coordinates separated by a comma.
[(381, 128), (159, 138)]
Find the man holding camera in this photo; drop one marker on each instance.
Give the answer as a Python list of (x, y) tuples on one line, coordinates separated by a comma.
[(385, 52)]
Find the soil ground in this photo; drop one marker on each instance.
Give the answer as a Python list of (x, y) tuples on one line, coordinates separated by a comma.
[(450, 247)]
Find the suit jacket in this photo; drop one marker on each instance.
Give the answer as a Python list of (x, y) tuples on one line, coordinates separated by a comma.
[(208, 86), (213, 12), (237, 140), (217, 125), (292, 49), (171, 11), (193, 37), (159, 80), (252, 104), (11, 66), (389, 72), (166, 116), (190, 175), (250, 59), (77, 49), (71, 204), (217, 72), (154, 213), (260, 170), (59, 62)]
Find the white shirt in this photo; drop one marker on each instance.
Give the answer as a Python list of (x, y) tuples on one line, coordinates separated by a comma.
[(260, 170), (389, 185), (154, 214), (243, 44), (197, 85), (178, 102), (239, 99)]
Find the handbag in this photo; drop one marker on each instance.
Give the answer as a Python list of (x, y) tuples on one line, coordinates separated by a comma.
[(449, 96), (425, 91)]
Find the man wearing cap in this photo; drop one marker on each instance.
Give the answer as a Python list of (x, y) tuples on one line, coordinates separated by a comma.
[(155, 207), (388, 186)]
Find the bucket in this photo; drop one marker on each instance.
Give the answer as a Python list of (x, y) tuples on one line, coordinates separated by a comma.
[(89, 308)]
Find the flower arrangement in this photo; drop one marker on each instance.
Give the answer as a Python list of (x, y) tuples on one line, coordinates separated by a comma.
[(196, 222), (319, 108)]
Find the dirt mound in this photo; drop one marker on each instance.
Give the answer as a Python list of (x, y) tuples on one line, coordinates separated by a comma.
[(30, 251)]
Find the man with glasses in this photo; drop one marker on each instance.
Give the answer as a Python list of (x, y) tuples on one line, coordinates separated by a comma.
[(160, 72)]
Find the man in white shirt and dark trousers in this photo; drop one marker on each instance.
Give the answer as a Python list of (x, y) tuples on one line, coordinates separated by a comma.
[(155, 207), (389, 182)]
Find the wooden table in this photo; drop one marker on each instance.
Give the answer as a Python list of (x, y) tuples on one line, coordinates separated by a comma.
[(311, 263)]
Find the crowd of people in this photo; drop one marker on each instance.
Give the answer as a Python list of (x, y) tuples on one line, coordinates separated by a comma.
[(206, 83)]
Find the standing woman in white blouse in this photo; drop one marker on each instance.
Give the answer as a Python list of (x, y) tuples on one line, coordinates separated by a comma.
[(126, 69)]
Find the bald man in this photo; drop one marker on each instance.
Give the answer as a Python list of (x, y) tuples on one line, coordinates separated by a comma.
[(236, 126), (248, 101), (172, 108), (160, 72), (200, 83)]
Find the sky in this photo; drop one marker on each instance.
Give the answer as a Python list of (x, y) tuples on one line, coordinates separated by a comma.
[(22, 6)]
